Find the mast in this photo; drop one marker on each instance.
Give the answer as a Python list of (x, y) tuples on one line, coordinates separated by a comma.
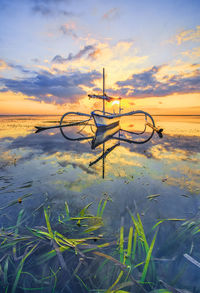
[(103, 162), (103, 90)]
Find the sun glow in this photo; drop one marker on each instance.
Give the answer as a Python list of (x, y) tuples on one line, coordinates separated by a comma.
[(115, 103)]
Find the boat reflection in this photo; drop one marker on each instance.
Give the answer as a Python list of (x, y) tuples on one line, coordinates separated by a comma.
[(102, 135)]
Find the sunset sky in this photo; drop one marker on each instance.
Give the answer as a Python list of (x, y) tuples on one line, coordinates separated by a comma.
[(52, 53)]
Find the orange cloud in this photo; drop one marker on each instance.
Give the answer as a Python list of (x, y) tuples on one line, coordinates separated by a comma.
[(3, 65), (188, 35)]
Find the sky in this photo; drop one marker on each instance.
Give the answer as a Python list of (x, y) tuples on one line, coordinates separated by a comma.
[(52, 53)]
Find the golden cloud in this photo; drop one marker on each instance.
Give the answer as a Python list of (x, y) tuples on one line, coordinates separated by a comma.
[(188, 35)]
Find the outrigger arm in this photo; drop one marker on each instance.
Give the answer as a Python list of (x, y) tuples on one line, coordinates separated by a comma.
[(42, 128), (158, 130)]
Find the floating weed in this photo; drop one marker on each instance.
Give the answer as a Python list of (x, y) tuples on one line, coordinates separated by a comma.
[(153, 196)]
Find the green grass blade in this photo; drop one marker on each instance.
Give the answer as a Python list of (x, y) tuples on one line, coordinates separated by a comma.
[(160, 291), (18, 221), (158, 223), (148, 257), (19, 269), (119, 291), (81, 281), (116, 282), (130, 240), (5, 275), (122, 285), (163, 220), (55, 280), (93, 228), (103, 207), (99, 208), (121, 241), (83, 211), (134, 222), (48, 255), (67, 209), (16, 229), (134, 244), (48, 223), (142, 234)]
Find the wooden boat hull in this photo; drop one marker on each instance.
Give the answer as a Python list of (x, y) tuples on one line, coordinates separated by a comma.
[(107, 121)]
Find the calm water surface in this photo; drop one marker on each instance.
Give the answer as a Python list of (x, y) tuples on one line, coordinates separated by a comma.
[(158, 181)]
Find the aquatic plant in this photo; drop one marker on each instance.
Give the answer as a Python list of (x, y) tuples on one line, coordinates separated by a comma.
[(71, 253)]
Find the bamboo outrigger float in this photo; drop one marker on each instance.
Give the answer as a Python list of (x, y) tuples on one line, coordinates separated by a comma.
[(106, 120)]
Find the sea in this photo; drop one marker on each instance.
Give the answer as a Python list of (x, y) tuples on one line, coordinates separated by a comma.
[(118, 216)]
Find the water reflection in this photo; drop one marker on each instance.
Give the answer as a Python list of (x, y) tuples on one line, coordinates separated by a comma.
[(54, 170), (103, 135)]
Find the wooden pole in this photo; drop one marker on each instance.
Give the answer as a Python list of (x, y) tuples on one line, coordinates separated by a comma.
[(103, 162), (103, 91)]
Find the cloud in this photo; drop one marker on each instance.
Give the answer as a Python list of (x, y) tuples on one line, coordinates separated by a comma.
[(44, 10), (3, 65), (69, 29), (9, 65), (49, 88), (50, 7), (142, 79), (194, 53), (188, 35), (111, 14), (95, 53), (146, 84), (90, 49)]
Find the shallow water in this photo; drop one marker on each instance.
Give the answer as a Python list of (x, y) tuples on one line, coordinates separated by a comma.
[(45, 170)]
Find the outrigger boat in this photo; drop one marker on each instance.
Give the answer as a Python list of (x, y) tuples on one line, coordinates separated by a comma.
[(103, 119)]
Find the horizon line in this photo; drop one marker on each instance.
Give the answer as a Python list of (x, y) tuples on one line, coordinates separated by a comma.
[(17, 115)]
